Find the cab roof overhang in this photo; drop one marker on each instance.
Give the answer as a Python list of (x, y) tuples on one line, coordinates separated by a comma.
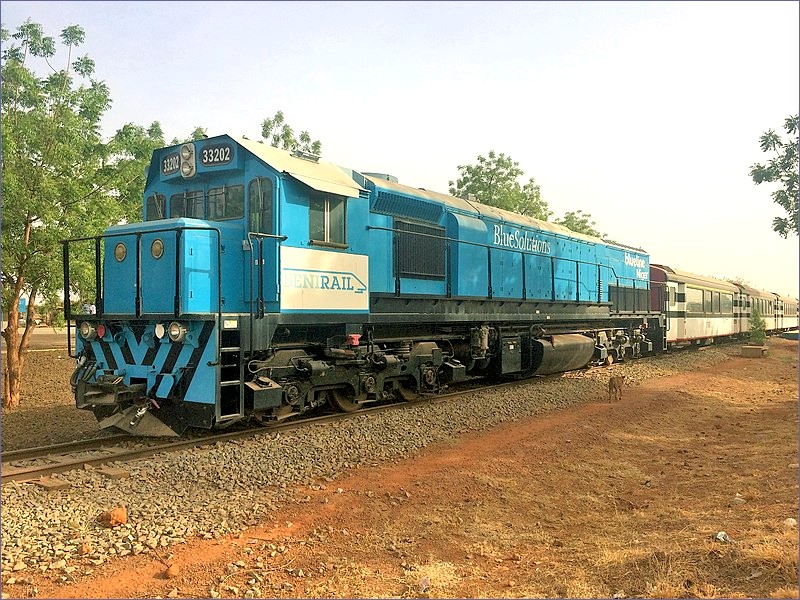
[(319, 175)]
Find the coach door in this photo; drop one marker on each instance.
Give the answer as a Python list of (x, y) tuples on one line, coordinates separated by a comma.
[(261, 280)]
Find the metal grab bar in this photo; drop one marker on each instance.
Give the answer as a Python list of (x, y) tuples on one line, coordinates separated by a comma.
[(100, 300), (259, 237)]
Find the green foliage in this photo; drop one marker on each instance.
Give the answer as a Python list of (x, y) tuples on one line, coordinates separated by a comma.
[(781, 168), (279, 134), (579, 222), (739, 280), (758, 328), (199, 133), (59, 179), (493, 181)]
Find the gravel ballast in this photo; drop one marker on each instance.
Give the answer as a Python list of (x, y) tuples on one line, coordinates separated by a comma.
[(226, 487)]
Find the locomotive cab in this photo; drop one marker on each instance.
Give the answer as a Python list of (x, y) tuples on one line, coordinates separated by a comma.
[(182, 296)]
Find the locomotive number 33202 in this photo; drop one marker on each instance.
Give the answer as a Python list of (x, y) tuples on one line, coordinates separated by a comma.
[(216, 154)]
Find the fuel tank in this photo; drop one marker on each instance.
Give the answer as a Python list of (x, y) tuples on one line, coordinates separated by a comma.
[(562, 353)]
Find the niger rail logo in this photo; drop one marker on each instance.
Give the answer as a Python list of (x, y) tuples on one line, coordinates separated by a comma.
[(322, 280)]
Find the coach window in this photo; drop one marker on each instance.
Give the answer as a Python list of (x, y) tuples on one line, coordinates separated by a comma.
[(706, 301), (259, 194), (672, 292), (716, 302), (226, 203), (694, 300), (326, 220), (156, 207), (727, 304), (187, 204)]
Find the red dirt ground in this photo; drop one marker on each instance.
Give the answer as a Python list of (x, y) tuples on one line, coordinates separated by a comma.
[(602, 500)]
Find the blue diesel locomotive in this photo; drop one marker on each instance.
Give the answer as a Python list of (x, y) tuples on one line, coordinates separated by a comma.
[(264, 283)]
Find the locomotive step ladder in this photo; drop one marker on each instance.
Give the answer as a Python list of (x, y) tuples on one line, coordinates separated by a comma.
[(230, 407)]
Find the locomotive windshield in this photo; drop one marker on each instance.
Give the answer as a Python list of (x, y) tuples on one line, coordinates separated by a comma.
[(187, 204), (155, 207), (218, 204), (226, 202)]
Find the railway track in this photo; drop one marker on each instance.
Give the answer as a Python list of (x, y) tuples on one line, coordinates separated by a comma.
[(37, 463), (33, 464)]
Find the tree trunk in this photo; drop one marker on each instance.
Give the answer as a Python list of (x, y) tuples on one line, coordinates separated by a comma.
[(16, 348)]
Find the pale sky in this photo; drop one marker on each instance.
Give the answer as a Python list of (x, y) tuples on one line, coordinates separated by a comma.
[(645, 114)]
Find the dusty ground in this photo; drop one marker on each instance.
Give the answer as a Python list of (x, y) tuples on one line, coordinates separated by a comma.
[(46, 400), (602, 500)]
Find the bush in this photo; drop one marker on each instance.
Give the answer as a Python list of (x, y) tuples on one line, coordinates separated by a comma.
[(758, 328)]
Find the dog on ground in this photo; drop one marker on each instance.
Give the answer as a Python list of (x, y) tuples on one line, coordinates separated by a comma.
[(615, 388)]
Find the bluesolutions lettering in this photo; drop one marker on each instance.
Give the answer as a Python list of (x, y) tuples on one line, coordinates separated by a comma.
[(519, 240), (640, 264)]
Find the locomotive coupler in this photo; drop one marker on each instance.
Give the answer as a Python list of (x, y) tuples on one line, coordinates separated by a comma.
[(137, 417), (138, 420)]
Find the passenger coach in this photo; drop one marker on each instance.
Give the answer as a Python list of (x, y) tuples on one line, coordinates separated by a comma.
[(697, 308)]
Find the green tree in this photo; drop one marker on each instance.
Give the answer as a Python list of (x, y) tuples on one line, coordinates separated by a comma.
[(758, 328), (493, 180), (59, 179), (279, 134), (738, 280), (199, 133), (781, 168), (579, 222)]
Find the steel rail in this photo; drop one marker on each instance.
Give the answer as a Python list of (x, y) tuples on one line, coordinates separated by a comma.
[(59, 460)]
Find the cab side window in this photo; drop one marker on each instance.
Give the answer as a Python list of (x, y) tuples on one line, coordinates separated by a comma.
[(259, 194), (326, 220)]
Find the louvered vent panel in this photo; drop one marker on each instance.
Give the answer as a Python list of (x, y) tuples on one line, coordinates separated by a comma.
[(403, 206), (420, 251)]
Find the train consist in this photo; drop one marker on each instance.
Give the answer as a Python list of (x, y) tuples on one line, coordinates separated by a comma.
[(262, 284)]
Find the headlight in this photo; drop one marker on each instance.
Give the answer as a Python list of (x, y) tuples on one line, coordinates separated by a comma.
[(159, 330), (177, 331), (188, 168), (157, 249), (120, 252), (88, 332)]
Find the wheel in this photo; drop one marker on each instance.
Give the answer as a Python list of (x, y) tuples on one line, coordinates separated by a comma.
[(344, 400)]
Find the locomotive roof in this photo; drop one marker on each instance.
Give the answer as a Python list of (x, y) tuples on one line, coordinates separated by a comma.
[(320, 175), (325, 176), (499, 214)]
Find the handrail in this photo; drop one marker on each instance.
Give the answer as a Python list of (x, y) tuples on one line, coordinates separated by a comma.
[(99, 302), (252, 235)]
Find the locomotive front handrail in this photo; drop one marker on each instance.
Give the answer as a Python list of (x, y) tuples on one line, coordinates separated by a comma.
[(489, 248), (99, 300)]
